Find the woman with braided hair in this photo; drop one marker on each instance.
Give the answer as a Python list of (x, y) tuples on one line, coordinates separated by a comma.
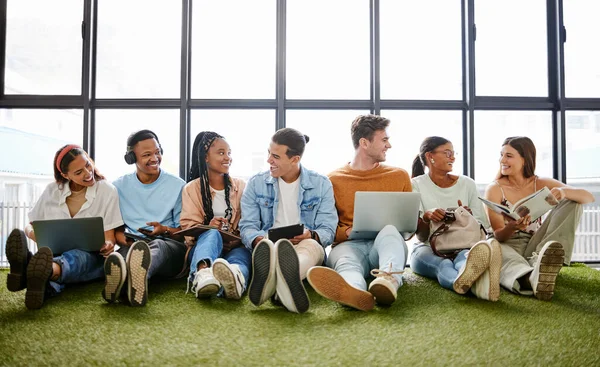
[(212, 197)]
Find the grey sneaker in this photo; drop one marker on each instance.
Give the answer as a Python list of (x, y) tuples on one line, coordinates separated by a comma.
[(18, 256), (264, 275), (546, 266), (138, 262), (115, 271)]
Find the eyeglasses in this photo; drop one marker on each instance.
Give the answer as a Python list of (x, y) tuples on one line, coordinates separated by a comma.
[(449, 153)]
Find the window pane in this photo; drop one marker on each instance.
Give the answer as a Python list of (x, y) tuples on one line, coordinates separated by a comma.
[(233, 54), (43, 47), (139, 56), (328, 49), (248, 133), (418, 60), (330, 144), (492, 127), (583, 154), (113, 127), (511, 48), (582, 65), (29, 140), (408, 129)]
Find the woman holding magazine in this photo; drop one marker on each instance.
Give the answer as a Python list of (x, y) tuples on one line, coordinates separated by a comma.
[(532, 251), (211, 197), (477, 269), (79, 191)]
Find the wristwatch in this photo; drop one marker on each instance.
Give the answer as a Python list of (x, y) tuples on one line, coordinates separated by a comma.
[(313, 235)]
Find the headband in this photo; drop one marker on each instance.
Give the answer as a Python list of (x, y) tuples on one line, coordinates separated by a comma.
[(64, 152)]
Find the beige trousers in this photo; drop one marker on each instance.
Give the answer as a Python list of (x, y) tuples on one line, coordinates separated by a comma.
[(310, 254), (560, 225)]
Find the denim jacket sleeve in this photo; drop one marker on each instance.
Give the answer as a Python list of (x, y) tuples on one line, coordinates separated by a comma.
[(250, 224), (326, 219)]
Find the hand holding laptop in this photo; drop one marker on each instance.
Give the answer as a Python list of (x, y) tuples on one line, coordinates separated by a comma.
[(107, 249)]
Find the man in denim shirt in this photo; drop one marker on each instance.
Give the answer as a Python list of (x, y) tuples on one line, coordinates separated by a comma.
[(285, 195)]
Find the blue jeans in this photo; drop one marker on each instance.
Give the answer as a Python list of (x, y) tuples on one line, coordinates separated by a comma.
[(167, 257), (355, 259), (424, 262), (77, 266), (209, 247)]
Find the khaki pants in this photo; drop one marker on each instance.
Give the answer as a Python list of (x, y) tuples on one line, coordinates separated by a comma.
[(310, 254), (560, 225)]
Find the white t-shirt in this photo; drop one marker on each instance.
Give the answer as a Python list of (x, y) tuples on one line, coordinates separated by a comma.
[(219, 206), (465, 190), (288, 211), (102, 200)]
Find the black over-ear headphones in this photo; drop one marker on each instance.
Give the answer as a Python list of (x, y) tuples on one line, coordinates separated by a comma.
[(135, 138)]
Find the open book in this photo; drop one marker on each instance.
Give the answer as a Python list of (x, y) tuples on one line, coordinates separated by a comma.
[(198, 229), (536, 205)]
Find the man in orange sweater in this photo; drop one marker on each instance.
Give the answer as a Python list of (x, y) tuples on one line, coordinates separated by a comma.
[(351, 261)]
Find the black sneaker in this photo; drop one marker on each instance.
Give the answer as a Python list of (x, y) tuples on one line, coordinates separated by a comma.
[(290, 289), (115, 272), (18, 256), (39, 271)]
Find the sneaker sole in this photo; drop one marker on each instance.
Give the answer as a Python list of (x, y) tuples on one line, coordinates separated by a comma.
[(477, 261), (16, 254), (382, 294), (329, 284), (227, 279), (289, 267), (115, 273), (138, 262), (495, 268), (208, 291), (39, 271), (550, 266), (261, 268)]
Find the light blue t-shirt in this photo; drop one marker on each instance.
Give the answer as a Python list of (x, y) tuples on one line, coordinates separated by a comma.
[(159, 201)]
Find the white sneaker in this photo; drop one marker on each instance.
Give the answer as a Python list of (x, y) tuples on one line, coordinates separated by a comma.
[(231, 278), (478, 260), (264, 276), (290, 289), (204, 284), (488, 285), (385, 287), (546, 266)]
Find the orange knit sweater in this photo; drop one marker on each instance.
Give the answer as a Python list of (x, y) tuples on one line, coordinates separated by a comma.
[(346, 181)]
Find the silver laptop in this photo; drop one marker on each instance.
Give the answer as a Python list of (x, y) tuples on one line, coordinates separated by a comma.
[(62, 235), (373, 210)]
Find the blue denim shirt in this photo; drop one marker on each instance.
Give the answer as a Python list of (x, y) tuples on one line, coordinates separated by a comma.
[(315, 198)]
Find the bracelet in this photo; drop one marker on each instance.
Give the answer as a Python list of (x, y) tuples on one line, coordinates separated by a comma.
[(167, 233)]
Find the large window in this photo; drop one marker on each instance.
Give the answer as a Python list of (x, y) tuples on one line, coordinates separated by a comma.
[(327, 49), (240, 62), (406, 134), (248, 149), (582, 62), (43, 47), (113, 127), (511, 48), (330, 144), (139, 56), (492, 127), (425, 64)]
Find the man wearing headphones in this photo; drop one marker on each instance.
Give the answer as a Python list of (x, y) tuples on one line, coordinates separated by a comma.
[(150, 201)]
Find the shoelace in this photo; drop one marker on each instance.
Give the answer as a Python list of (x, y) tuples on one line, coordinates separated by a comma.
[(382, 273)]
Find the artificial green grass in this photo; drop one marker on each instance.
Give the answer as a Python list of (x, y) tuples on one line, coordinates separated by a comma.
[(426, 326)]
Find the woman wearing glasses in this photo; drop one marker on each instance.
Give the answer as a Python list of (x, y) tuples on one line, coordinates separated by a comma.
[(212, 197), (532, 251), (477, 269)]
